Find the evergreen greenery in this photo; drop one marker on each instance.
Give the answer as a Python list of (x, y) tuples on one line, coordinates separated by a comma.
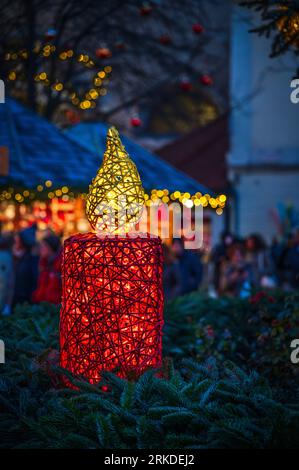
[(254, 333), (206, 403)]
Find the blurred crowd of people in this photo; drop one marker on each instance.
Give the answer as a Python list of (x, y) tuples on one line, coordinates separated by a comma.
[(234, 267), (30, 270)]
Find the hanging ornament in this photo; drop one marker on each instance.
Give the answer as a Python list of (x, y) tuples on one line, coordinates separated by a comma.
[(50, 34), (206, 80), (185, 84), (145, 9), (197, 28), (120, 45), (103, 52), (72, 116), (165, 39), (135, 121)]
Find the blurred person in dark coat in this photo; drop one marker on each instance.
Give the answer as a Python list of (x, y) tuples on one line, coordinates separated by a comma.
[(171, 274), (236, 277), (260, 260), (6, 274), (49, 278), (291, 261), (25, 265), (219, 256), (190, 266)]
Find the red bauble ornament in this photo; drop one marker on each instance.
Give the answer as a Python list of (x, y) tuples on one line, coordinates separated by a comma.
[(120, 45), (165, 39), (72, 116), (197, 28), (136, 121), (103, 53), (186, 85), (145, 9), (112, 305), (50, 34), (206, 80)]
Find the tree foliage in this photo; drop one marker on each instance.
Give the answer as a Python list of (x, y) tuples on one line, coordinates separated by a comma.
[(149, 51), (279, 20)]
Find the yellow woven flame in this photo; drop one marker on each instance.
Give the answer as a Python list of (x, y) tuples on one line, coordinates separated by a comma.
[(116, 189)]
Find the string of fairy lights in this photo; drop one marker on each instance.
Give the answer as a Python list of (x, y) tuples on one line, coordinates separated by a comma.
[(46, 191), (85, 100)]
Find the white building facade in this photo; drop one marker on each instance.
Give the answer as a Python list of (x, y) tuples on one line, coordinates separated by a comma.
[(263, 160)]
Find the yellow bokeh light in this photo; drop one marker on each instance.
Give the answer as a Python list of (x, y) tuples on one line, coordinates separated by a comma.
[(93, 94), (12, 75), (48, 183), (222, 198), (85, 104), (189, 203)]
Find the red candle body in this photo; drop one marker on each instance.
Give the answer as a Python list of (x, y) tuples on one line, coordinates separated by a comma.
[(112, 305)]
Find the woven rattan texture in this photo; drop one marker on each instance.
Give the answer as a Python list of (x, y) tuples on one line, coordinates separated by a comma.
[(112, 307)]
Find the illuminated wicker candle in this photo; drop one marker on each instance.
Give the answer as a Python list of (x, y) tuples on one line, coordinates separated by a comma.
[(112, 306)]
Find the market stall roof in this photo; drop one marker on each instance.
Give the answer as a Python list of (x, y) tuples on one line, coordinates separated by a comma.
[(202, 154), (154, 171), (39, 151)]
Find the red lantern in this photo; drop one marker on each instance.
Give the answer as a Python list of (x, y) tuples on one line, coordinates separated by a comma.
[(197, 28), (112, 306), (112, 303), (165, 39), (103, 53), (206, 80), (135, 121)]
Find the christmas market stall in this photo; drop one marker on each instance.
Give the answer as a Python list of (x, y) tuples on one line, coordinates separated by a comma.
[(45, 172)]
